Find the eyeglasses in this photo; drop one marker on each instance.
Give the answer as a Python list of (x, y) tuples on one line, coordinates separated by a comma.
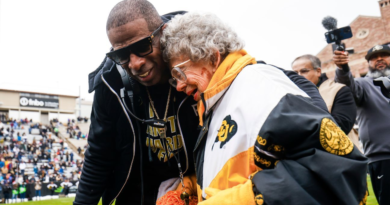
[(178, 74), (140, 48), (303, 71)]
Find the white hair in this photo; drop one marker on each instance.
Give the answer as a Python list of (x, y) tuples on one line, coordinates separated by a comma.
[(198, 36)]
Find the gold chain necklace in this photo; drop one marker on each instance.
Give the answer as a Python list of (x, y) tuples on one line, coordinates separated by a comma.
[(184, 195), (162, 131)]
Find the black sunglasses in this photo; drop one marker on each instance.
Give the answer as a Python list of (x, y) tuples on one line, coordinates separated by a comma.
[(140, 48)]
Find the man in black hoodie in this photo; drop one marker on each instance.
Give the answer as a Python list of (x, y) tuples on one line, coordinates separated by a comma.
[(126, 159)]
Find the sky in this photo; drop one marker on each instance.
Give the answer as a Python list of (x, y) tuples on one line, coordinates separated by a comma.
[(51, 46)]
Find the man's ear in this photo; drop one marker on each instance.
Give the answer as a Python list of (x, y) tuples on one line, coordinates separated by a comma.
[(319, 71)]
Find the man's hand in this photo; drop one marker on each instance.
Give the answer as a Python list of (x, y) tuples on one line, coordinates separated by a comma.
[(340, 58), (189, 185)]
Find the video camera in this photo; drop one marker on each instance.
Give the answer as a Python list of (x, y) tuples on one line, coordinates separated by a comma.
[(335, 35)]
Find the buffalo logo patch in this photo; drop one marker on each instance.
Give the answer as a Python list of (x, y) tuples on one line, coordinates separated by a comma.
[(227, 130), (259, 199), (333, 139)]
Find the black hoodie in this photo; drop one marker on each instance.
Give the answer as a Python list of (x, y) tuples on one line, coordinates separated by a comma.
[(112, 167)]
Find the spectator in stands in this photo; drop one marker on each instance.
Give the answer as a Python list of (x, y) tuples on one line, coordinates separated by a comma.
[(22, 167), (62, 144), (19, 138), (79, 150), (67, 156), (2, 191), (38, 187), (20, 179), (35, 171), (71, 156), (52, 178), (16, 150), (75, 176), (4, 170), (35, 159), (15, 125), (23, 145), (7, 192), (9, 178), (50, 141), (61, 170), (58, 178), (20, 154), (56, 131), (42, 175)]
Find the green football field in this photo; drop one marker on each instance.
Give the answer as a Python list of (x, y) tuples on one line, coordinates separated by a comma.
[(371, 200), (61, 201)]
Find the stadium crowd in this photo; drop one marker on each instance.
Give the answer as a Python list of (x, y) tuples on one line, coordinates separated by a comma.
[(29, 161)]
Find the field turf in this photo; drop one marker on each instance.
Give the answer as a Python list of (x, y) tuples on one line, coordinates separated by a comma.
[(371, 200)]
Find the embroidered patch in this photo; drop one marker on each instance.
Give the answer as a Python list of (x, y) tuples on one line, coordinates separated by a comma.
[(333, 139), (276, 148), (259, 199), (262, 161), (227, 130), (261, 141), (377, 48)]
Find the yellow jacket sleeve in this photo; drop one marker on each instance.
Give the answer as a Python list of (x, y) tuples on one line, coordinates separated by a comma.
[(240, 194)]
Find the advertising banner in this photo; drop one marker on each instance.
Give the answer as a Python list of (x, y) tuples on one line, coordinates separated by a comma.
[(38, 100)]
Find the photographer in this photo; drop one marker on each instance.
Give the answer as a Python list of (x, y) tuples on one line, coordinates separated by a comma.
[(373, 115)]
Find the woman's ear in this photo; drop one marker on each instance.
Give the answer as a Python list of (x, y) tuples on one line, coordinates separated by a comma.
[(162, 29), (216, 60)]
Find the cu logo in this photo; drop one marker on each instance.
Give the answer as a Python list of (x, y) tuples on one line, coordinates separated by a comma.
[(23, 101), (227, 130)]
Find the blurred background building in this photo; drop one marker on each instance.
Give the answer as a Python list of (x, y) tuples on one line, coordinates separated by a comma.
[(42, 107)]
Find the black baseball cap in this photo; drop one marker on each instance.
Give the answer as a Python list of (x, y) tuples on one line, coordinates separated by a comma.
[(377, 49)]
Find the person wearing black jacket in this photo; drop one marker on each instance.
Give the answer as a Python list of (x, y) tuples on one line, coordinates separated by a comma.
[(7, 189), (338, 97), (127, 160)]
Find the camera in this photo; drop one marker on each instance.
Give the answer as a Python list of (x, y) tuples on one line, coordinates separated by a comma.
[(337, 35)]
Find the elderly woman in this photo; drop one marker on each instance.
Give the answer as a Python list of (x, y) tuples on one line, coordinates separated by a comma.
[(262, 140)]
